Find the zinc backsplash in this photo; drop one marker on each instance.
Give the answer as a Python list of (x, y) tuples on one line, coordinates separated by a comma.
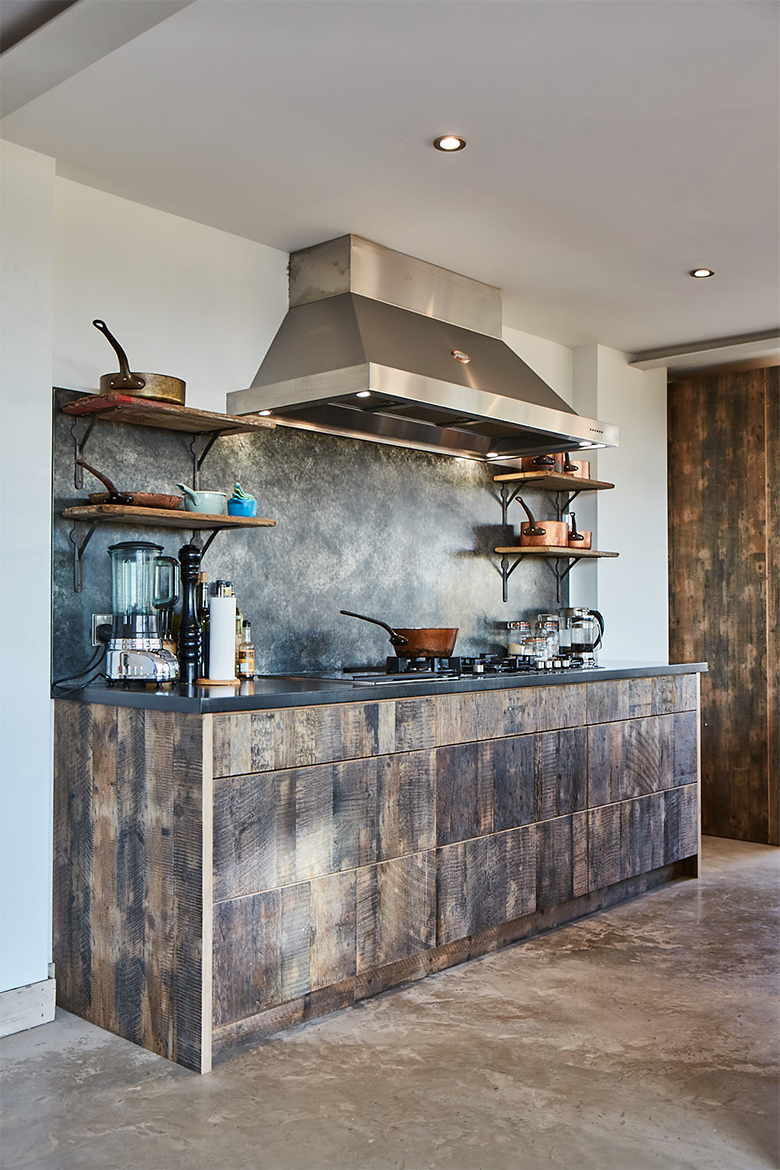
[(395, 534)]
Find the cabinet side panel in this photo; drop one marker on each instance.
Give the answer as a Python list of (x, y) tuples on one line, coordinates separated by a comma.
[(128, 874)]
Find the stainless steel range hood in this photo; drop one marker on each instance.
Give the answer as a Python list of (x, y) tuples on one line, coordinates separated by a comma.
[(381, 346)]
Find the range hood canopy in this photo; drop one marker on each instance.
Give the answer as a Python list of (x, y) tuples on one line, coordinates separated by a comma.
[(380, 346)]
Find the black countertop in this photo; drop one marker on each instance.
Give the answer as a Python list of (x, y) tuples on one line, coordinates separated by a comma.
[(272, 691)]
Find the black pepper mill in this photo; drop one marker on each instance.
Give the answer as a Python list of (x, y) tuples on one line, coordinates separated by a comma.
[(189, 630)]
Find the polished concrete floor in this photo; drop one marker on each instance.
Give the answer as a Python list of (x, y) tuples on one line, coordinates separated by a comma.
[(645, 1036)]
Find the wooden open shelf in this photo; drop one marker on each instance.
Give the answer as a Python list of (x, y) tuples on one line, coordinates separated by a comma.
[(536, 550), (145, 412), (161, 517), (554, 481)]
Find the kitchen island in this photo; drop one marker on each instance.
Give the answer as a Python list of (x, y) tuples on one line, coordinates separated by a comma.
[(228, 865)]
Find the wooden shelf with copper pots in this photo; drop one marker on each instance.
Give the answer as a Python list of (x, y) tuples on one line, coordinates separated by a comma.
[(566, 487)]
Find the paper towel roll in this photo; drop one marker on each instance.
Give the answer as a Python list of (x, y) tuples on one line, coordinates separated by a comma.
[(222, 637)]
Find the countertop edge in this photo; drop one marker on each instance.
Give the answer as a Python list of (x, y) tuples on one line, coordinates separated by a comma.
[(345, 692)]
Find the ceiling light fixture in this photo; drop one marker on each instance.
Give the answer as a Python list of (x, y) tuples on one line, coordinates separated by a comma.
[(701, 273), (363, 394), (449, 143)]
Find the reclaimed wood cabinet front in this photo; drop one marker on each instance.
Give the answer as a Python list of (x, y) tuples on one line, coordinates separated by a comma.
[(219, 878)]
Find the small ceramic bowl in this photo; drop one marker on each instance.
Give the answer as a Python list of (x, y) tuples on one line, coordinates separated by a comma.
[(238, 507), (212, 503)]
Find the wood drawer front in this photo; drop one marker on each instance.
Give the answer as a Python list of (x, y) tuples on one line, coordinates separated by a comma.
[(478, 715), (635, 836), (638, 756), (273, 947), (295, 737), (632, 698), (278, 828), (495, 785)]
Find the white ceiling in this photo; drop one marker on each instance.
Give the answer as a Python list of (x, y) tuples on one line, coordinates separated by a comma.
[(612, 144)]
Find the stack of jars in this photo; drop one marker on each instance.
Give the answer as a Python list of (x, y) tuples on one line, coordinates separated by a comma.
[(537, 641)]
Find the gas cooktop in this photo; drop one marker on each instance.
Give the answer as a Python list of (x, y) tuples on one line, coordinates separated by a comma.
[(484, 666)]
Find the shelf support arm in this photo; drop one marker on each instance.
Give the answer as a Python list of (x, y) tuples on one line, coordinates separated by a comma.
[(507, 496), (81, 430), (79, 548), (200, 446), (506, 571)]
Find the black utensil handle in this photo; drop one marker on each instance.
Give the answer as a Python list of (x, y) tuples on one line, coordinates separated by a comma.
[(189, 629), (395, 638), (533, 529), (126, 380)]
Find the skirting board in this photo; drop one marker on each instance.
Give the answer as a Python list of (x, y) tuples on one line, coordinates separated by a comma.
[(27, 1007)]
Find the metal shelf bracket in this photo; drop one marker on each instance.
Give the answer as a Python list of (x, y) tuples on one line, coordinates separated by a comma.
[(79, 548), (506, 572), (81, 430), (200, 446)]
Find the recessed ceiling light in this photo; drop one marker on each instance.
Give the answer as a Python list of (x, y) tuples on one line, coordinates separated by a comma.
[(363, 394), (449, 143), (701, 273), (264, 412)]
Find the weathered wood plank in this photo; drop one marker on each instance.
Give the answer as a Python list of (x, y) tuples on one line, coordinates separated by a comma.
[(481, 715), (634, 757), (257, 741), (406, 804), (129, 849), (483, 882), (333, 929), (464, 793), (247, 956), (562, 853), (396, 909), (608, 701), (724, 596)]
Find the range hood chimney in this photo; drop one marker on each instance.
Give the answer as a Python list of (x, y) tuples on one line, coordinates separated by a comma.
[(380, 346)]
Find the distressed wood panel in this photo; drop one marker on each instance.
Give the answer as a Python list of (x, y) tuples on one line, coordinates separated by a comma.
[(464, 793), (396, 910), (639, 756), (406, 804), (233, 1038), (281, 944), (562, 860), (631, 698), (129, 874), (491, 714), (258, 741), (485, 882), (724, 501), (247, 967), (502, 784), (635, 836), (279, 828)]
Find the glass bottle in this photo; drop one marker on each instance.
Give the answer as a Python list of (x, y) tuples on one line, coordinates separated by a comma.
[(246, 653)]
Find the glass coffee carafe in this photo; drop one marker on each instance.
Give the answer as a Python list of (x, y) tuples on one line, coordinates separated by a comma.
[(142, 583), (581, 632)]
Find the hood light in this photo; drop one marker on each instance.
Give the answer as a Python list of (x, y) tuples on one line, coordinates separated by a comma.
[(701, 273), (460, 356), (264, 413), (363, 394), (449, 143)]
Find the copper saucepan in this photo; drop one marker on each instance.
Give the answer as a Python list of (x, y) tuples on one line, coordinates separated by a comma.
[(545, 533), (415, 643), (160, 387)]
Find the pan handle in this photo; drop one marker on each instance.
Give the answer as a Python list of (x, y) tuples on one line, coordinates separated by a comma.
[(125, 379), (396, 639), (114, 497)]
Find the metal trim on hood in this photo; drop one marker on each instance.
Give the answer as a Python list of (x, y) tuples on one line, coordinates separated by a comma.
[(348, 364)]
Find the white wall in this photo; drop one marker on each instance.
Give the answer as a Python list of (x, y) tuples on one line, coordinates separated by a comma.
[(183, 299), (631, 592), (548, 359), (26, 251)]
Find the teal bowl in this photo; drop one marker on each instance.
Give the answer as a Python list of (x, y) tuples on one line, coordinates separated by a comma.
[(237, 507)]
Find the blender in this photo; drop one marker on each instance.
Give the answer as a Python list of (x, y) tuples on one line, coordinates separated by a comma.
[(142, 583)]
